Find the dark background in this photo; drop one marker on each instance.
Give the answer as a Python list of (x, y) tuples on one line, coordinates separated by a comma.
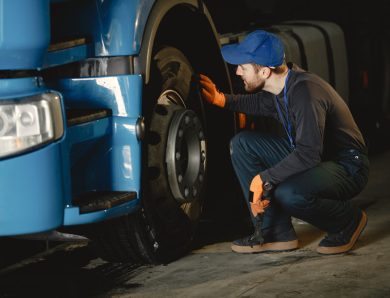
[(366, 29)]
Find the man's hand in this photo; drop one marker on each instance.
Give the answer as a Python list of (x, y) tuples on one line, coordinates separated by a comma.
[(257, 205), (210, 92)]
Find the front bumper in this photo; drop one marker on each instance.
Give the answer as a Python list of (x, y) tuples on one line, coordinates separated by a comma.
[(31, 194)]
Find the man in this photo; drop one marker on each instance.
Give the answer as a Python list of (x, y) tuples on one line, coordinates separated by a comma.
[(315, 170)]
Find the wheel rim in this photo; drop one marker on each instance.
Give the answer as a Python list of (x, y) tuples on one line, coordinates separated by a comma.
[(186, 156)]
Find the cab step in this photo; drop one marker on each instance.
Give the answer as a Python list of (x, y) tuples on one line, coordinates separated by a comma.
[(101, 200), (79, 116)]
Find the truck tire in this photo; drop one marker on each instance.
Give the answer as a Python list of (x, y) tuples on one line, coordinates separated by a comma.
[(174, 169), (175, 165)]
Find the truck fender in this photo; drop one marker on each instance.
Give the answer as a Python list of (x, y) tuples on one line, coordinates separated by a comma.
[(160, 9)]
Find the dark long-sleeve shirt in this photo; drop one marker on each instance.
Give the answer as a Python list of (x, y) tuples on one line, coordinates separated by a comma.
[(322, 122)]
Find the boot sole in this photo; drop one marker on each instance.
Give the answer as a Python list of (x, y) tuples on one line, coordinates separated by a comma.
[(327, 250), (266, 247)]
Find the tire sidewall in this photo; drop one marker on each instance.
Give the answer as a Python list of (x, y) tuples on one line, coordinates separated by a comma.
[(170, 227)]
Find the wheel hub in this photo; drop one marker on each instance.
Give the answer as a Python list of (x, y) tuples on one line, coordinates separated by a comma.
[(186, 156)]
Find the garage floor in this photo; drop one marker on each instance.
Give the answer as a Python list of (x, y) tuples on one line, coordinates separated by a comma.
[(212, 270)]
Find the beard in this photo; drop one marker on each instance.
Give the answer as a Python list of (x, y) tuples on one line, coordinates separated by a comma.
[(253, 87)]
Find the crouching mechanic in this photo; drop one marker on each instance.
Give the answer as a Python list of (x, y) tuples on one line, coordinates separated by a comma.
[(315, 170)]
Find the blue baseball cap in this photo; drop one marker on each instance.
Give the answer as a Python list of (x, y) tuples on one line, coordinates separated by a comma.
[(259, 47)]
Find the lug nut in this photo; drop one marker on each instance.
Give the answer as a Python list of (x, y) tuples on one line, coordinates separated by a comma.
[(203, 156), (201, 135)]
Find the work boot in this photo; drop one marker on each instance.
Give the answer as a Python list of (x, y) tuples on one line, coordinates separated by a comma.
[(275, 239), (343, 241)]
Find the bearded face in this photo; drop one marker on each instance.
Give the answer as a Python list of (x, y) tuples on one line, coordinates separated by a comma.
[(250, 77), (253, 86)]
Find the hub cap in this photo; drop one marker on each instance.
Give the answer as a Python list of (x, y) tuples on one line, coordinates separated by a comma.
[(186, 156)]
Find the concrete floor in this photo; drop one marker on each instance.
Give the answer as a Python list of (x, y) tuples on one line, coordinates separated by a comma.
[(212, 270)]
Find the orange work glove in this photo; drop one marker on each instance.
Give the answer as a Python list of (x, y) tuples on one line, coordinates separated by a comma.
[(257, 205), (210, 92)]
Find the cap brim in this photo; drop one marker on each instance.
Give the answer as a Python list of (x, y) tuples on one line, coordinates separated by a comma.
[(231, 54)]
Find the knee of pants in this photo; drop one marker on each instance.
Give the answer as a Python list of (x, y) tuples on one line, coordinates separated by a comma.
[(289, 199), (236, 143)]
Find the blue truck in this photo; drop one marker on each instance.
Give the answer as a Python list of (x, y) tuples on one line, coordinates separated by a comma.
[(101, 120)]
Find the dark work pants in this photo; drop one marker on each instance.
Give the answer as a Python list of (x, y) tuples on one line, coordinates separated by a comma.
[(320, 195)]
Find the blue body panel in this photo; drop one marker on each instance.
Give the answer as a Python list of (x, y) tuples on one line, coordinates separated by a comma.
[(31, 197), (37, 187), (121, 94), (24, 33), (69, 55), (115, 27), (104, 154), (14, 88), (121, 24), (72, 215), (108, 145), (31, 191)]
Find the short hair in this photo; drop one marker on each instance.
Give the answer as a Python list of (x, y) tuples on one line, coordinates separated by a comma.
[(278, 69)]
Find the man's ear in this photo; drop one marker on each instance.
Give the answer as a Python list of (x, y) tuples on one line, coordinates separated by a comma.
[(266, 72)]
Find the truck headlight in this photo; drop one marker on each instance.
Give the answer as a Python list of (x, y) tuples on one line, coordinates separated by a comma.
[(29, 122)]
